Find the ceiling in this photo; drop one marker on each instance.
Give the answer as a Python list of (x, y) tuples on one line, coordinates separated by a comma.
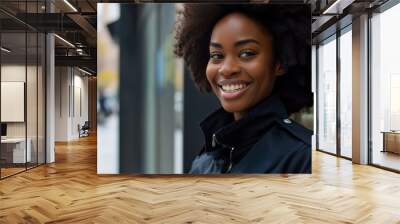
[(76, 20), (72, 20)]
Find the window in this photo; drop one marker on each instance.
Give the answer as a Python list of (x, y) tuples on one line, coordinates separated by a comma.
[(327, 96), (346, 92), (385, 89)]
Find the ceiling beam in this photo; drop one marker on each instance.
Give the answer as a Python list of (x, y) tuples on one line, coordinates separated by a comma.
[(82, 61), (83, 23)]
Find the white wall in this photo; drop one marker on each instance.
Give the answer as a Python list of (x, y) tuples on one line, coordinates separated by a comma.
[(71, 93), (61, 103), (81, 104), (33, 126), (16, 73)]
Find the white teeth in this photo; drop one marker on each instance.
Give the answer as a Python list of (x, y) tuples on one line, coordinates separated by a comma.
[(233, 87)]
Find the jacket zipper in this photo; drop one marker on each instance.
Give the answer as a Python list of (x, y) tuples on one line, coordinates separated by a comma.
[(230, 161), (213, 144)]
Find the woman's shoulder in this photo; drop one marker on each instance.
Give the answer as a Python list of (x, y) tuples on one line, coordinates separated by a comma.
[(285, 148), (286, 137), (294, 130)]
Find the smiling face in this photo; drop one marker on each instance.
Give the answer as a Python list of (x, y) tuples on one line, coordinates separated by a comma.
[(240, 70)]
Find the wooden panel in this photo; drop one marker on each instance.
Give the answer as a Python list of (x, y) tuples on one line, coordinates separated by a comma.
[(392, 142)]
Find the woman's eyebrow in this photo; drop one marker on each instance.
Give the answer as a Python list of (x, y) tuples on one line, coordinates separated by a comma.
[(237, 44), (216, 45), (246, 41)]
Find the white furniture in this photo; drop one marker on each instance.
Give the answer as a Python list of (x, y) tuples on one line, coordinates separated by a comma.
[(18, 144)]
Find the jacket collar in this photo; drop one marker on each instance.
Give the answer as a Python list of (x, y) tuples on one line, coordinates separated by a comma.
[(245, 131)]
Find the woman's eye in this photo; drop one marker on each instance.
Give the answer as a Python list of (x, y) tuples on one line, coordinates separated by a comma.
[(216, 56), (247, 54)]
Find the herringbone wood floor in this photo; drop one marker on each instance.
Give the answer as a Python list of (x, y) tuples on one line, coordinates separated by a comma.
[(70, 191)]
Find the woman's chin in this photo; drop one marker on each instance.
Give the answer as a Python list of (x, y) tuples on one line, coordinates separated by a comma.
[(233, 107)]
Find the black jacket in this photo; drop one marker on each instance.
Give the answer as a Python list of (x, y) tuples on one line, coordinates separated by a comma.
[(263, 141)]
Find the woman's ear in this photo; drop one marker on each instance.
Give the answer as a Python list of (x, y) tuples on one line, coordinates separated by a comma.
[(279, 70)]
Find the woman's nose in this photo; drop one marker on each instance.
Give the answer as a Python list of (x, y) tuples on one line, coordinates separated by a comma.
[(229, 67)]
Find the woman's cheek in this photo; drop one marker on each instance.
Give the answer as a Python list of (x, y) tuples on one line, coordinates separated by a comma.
[(211, 72), (256, 66)]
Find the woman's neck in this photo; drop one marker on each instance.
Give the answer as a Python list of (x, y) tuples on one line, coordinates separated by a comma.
[(239, 115)]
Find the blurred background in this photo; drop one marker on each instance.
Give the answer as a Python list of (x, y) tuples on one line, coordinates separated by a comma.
[(148, 107), (107, 90)]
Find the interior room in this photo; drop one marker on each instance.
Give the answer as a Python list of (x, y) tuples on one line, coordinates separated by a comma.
[(385, 107), (22, 100), (63, 119)]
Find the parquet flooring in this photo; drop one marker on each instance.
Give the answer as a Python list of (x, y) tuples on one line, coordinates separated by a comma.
[(10, 171), (70, 191)]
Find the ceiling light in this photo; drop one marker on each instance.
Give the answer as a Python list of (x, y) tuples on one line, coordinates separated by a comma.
[(70, 5), (5, 50), (337, 7), (84, 71), (64, 40), (326, 11)]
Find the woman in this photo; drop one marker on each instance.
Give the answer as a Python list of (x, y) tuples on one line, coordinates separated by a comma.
[(255, 62)]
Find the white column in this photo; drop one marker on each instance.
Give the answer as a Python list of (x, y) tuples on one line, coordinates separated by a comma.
[(50, 98), (360, 90)]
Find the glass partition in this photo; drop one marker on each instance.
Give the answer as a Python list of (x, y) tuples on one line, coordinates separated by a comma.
[(13, 109), (23, 91), (326, 137)]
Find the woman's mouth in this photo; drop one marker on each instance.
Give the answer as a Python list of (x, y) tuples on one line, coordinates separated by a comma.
[(229, 88), (232, 90)]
